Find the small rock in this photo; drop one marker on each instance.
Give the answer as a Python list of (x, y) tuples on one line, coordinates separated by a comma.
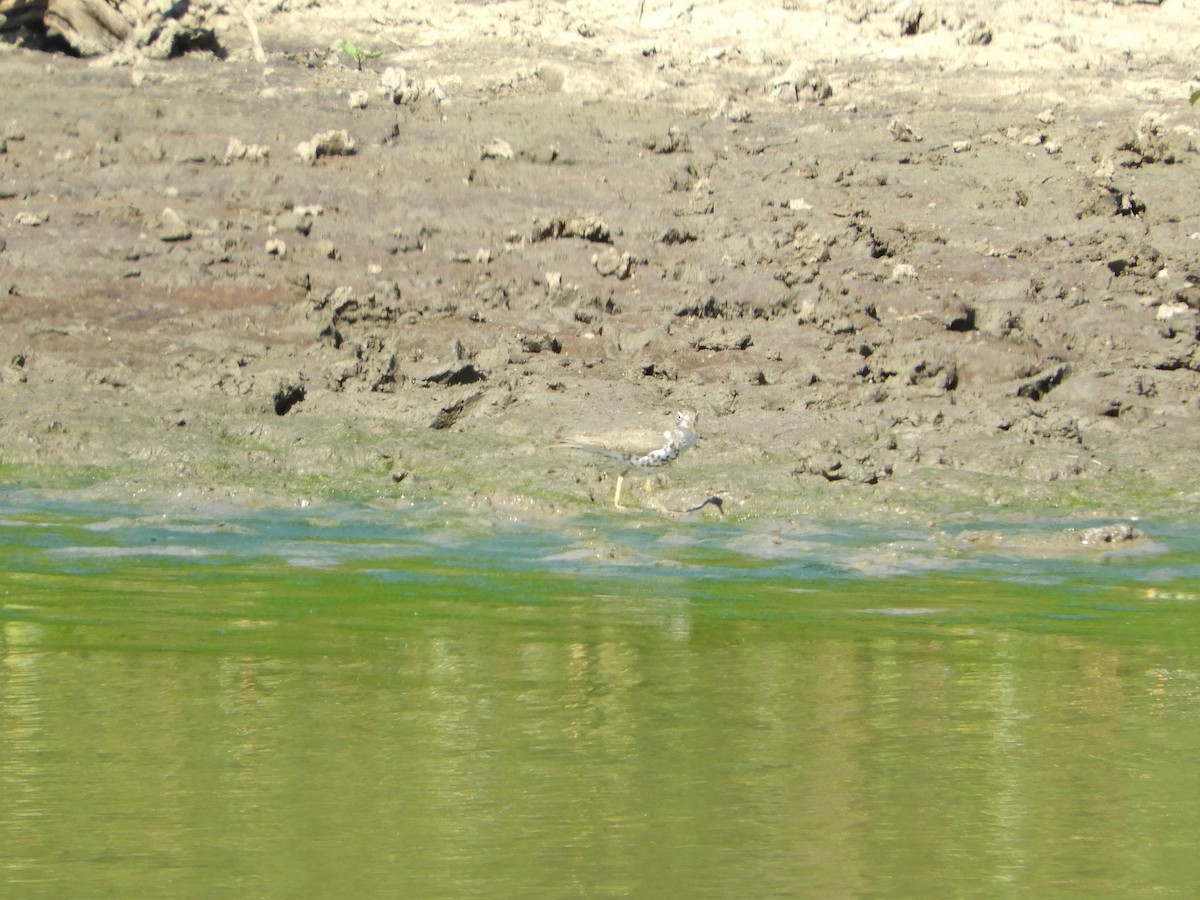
[(236, 149), (454, 374), (408, 241), (492, 295), (753, 376), (798, 84), (276, 247), (286, 395), (393, 79), (675, 236), (903, 133), (496, 149), (1149, 144), (675, 141), (736, 113), (588, 228), (1172, 309), (536, 343), (612, 263), (172, 227), (327, 143), (1129, 205), (721, 341), (910, 17), (359, 99), (1044, 382), (31, 220)]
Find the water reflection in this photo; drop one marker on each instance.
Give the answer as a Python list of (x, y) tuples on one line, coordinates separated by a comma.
[(468, 725)]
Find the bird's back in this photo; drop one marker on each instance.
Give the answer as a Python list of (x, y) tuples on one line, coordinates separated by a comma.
[(674, 443)]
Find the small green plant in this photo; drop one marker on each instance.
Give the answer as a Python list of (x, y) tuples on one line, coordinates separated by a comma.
[(358, 54), (1195, 96)]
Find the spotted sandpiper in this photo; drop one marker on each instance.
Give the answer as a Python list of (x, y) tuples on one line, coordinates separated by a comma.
[(675, 442)]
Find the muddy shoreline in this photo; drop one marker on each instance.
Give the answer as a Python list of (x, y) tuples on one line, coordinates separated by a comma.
[(890, 288)]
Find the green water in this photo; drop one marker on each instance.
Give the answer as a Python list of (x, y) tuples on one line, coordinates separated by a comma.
[(356, 702)]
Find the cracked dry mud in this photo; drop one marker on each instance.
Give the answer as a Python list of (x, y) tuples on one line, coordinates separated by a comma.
[(956, 277)]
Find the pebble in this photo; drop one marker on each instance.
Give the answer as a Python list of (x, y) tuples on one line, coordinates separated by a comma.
[(172, 227), (326, 143), (496, 148)]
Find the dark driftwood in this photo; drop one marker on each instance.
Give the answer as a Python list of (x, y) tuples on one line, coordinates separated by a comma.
[(18, 16), (95, 27)]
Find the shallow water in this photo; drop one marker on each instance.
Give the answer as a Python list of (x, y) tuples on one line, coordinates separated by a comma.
[(356, 701)]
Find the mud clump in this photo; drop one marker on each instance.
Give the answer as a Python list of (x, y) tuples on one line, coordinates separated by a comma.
[(877, 296)]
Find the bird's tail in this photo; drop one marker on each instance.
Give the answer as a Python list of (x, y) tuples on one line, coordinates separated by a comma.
[(598, 451)]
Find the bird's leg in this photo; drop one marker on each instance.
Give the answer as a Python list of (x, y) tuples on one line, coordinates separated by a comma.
[(617, 495), (654, 497)]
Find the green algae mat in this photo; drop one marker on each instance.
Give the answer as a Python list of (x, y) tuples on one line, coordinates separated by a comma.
[(347, 700)]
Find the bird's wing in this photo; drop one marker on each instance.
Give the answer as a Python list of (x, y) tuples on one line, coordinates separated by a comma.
[(598, 450)]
